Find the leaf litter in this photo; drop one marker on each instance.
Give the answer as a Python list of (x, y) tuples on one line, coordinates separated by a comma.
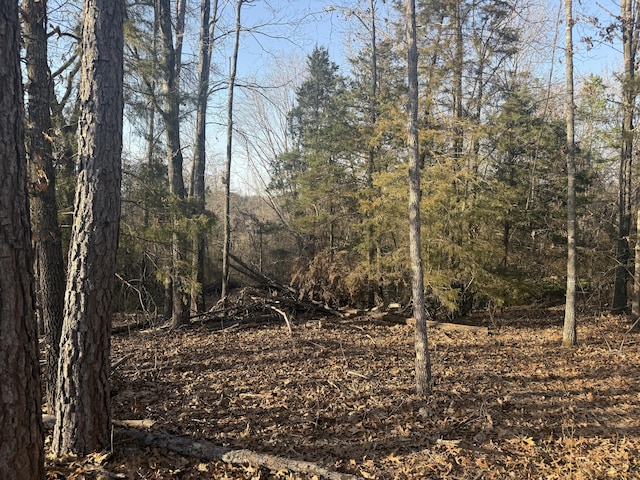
[(339, 392)]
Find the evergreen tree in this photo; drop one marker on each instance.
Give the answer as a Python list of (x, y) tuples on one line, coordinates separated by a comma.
[(21, 436), (82, 406), (318, 177), (47, 238)]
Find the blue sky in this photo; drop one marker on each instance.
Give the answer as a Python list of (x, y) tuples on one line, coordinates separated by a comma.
[(290, 27), (295, 26)]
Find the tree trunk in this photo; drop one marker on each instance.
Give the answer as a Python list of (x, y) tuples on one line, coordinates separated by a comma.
[(423, 362), (197, 187), (82, 406), (620, 300), (21, 440), (181, 8), (227, 194), (569, 335), (457, 83), (145, 264), (373, 117), (44, 209), (635, 299), (171, 115)]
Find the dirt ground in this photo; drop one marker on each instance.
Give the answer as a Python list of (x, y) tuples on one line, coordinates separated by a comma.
[(339, 393)]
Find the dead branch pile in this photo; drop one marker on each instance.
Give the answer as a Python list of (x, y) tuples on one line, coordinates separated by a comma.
[(253, 306)]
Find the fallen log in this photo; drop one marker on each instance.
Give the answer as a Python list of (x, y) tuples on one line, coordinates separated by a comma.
[(452, 326), (206, 450)]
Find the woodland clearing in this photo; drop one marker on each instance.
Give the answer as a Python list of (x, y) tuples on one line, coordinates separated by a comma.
[(339, 393)]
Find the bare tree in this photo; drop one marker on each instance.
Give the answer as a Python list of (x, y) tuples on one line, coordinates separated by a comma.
[(423, 362), (569, 336), (196, 188), (21, 440), (227, 197), (82, 406), (264, 132), (373, 118), (170, 65)]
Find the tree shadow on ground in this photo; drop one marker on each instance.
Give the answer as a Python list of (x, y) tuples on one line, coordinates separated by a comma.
[(341, 393)]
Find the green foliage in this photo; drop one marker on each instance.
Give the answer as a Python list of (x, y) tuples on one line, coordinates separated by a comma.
[(494, 180), (150, 219), (316, 181)]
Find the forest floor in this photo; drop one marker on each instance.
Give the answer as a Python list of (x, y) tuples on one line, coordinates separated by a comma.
[(339, 393)]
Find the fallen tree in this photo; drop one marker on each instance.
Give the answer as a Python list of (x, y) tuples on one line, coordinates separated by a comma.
[(207, 451)]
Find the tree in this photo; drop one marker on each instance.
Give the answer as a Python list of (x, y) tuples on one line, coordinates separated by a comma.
[(629, 94), (196, 189), (49, 263), (21, 437), (170, 65), (569, 329), (227, 180), (370, 94), (82, 406), (316, 178), (423, 362), (524, 145)]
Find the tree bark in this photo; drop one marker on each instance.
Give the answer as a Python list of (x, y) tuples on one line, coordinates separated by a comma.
[(635, 299), (569, 331), (197, 186), (21, 440), (171, 62), (227, 194), (458, 60), (49, 263), (423, 362), (82, 406), (373, 117), (620, 299)]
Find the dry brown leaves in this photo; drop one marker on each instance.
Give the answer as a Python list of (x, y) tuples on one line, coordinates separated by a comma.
[(340, 392)]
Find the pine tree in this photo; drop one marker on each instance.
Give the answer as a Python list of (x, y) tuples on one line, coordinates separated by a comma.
[(21, 436), (44, 208), (82, 406)]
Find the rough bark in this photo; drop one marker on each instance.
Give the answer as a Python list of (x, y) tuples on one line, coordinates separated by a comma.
[(569, 335), (635, 299), (423, 362), (21, 440), (458, 59), (49, 263), (82, 406)]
